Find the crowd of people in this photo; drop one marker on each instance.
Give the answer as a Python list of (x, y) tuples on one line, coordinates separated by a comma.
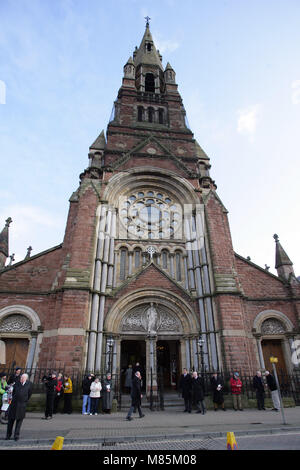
[(59, 387), (193, 391)]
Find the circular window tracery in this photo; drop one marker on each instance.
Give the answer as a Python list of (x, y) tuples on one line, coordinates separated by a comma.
[(151, 215)]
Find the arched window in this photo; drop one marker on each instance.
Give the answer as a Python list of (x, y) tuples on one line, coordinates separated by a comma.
[(150, 114), (149, 83), (161, 116), (137, 258), (178, 267), (165, 259), (140, 113), (123, 261)]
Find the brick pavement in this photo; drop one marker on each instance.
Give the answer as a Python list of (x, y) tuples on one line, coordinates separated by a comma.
[(100, 431)]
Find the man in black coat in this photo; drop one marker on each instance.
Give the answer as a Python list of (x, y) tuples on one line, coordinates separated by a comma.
[(271, 382), (198, 392), (136, 396), (50, 384), (15, 377), (22, 391), (185, 385), (258, 386), (217, 385)]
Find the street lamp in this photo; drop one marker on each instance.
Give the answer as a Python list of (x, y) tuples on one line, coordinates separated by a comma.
[(201, 342), (110, 344)]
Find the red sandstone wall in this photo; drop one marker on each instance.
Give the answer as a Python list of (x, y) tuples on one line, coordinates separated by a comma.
[(35, 275)]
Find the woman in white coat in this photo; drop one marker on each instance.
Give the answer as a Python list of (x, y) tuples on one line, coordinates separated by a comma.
[(96, 388)]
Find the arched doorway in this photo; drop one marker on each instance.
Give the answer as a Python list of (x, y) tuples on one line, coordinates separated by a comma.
[(156, 327), (274, 331), (19, 330)]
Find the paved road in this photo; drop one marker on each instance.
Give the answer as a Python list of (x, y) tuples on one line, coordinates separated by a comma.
[(166, 430)]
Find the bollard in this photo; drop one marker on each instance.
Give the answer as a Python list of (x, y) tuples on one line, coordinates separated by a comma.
[(231, 442), (58, 443)]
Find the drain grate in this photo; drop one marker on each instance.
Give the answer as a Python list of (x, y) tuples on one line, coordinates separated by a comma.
[(107, 443)]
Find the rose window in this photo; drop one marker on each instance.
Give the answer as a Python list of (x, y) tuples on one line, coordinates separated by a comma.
[(151, 215)]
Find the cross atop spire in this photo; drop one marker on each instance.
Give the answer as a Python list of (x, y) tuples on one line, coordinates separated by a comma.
[(147, 18)]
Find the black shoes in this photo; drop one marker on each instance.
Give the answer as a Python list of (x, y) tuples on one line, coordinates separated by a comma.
[(142, 416), (129, 418)]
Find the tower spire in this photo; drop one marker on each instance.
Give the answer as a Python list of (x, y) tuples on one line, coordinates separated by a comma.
[(147, 54), (283, 263)]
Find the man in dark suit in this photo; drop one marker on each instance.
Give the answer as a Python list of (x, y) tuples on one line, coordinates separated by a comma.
[(198, 392), (50, 386), (185, 385), (22, 391), (259, 387), (136, 396)]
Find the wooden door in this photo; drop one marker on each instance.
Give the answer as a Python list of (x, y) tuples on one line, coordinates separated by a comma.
[(16, 351), (273, 347)]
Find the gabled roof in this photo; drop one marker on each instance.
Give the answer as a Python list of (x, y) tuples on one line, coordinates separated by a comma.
[(143, 271), (164, 151)]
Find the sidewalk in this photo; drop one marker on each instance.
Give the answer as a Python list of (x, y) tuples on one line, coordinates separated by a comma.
[(170, 424)]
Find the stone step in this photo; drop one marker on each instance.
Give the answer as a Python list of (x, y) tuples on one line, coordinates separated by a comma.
[(170, 400)]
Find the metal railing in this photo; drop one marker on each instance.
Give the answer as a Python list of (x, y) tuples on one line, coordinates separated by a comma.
[(289, 384)]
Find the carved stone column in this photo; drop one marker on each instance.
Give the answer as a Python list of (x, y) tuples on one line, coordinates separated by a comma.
[(260, 352), (151, 364)]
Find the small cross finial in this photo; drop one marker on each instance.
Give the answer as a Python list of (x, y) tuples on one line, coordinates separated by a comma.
[(151, 250), (147, 20)]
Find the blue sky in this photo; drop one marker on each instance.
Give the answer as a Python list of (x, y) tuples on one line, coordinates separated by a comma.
[(238, 70)]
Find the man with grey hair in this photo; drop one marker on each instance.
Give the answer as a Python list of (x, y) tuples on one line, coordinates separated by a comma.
[(22, 391), (271, 382)]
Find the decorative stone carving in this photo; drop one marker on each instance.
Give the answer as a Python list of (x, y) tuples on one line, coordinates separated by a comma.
[(15, 323), (272, 326), (151, 320), (134, 322)]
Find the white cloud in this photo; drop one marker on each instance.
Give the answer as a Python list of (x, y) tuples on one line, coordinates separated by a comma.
[(296, 92), (248, 119), (165, 45)]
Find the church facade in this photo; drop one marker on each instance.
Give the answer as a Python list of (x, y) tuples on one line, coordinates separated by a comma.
[(146, 270)]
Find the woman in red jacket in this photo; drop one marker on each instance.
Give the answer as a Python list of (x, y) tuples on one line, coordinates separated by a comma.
[(236, 391)]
